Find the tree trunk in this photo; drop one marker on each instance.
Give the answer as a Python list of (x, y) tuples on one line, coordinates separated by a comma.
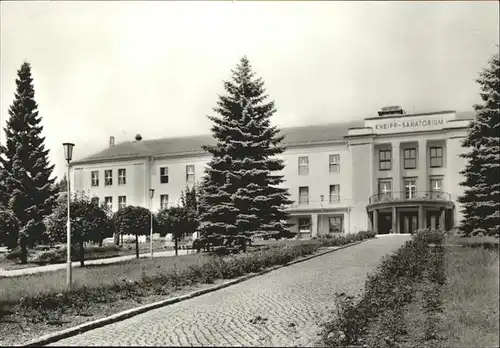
[(176, 244), (116, 238), (137, 246), (82, 254), (100, 243), (24, 252)]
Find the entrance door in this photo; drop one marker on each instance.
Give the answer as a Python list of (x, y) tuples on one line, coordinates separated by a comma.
[(384, 223), (432, 219), (409, 222)]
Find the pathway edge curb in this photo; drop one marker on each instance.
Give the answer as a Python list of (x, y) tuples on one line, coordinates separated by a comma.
[(75, 330)]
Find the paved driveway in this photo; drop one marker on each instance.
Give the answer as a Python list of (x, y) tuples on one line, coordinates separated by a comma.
[(291, 301)]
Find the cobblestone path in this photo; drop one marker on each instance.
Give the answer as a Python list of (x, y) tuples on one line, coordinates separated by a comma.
[(280, 308)]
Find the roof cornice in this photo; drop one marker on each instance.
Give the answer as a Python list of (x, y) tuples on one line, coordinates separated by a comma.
[(107, 160)]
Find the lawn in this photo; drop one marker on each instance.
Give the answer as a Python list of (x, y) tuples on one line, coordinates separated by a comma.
[(91, 253), (471, 296), (14, 288)]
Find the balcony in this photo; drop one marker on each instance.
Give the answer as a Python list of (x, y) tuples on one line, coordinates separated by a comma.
[(317, 204), (403, 196)]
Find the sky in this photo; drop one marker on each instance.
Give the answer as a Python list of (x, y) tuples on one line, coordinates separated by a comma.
[(114, 68)]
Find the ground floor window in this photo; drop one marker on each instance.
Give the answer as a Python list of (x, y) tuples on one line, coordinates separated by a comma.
[(122, 202), (305, 224), (108, 201), (336, 224)]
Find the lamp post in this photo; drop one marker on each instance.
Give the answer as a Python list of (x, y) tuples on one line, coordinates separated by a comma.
[(68, 154), (151, 195)]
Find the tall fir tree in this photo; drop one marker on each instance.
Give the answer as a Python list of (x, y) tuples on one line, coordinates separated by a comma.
[(481, 199), (240, 193), (25, 174)]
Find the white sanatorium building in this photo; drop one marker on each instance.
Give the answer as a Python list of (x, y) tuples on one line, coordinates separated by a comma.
[(393, 172)]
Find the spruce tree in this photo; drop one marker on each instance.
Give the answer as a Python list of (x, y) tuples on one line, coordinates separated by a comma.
[(481, 199), (25, 173), (240, 195)]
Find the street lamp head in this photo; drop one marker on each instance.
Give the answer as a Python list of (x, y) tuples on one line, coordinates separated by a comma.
[(151, 193), (68, 151)]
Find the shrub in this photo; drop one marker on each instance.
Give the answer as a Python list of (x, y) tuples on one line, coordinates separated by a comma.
[(14, 254), (349, 326), (430, 236), (50, 256), (329, 240), (9, 228)]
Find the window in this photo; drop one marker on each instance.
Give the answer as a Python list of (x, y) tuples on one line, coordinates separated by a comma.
[(108, 177), (122, 202), (334, 193), (384, 189), (436, 185), (190, 173), (334, 163), (164, 175), (336, 224), (122, 180), (95, 200), (304, 195), (410, 158), (95, 178), (108, 201), (305, 224), (303, 165), (410, 189), (385, 159), (436, 157), (163, 202)]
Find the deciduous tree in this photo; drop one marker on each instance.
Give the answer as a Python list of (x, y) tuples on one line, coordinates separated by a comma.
[(133, 220), (89, 223)]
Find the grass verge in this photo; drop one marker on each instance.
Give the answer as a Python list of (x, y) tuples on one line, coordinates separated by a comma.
[(471, 298), (53, 256)]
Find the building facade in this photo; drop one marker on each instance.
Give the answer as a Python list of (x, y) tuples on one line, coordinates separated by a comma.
[(392, 173)]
